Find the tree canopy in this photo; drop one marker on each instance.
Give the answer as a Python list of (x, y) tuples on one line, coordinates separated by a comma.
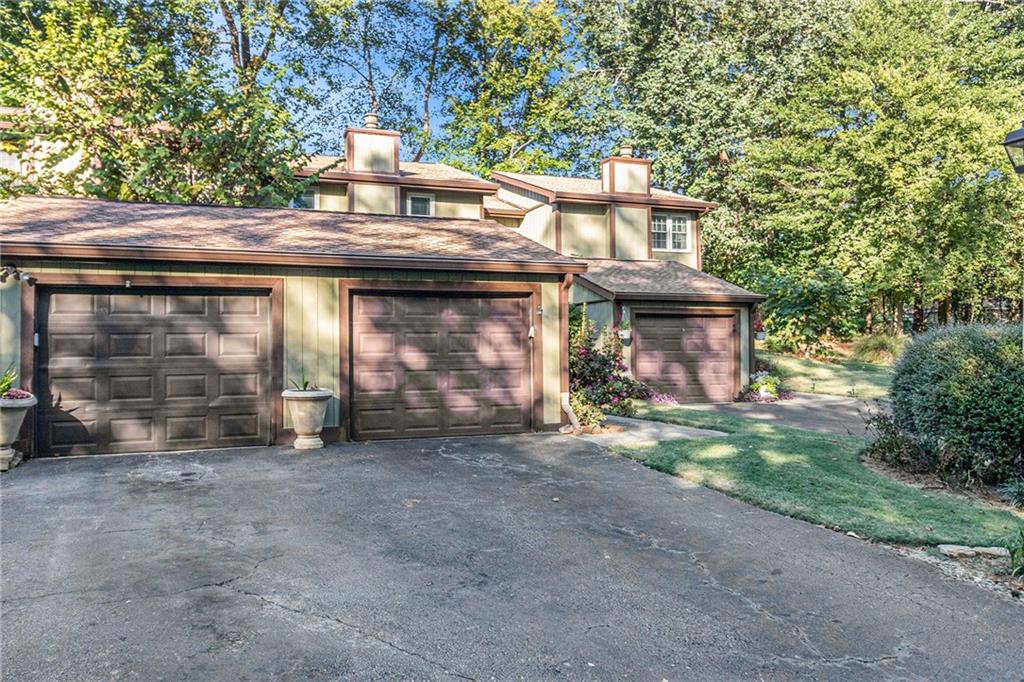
[(853, 145)]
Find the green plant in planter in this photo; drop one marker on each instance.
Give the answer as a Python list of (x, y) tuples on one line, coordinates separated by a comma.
[(7, 379)]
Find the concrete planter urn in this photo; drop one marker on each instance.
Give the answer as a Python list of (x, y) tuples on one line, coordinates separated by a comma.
[(759, 336), (307, 407), (12, 414)]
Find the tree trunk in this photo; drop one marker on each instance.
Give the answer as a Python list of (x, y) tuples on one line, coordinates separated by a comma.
[(945, 305), (920, 324), (869, 318)]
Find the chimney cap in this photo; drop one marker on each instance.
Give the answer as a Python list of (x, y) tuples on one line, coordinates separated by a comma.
[(370, 120), (626, 150)]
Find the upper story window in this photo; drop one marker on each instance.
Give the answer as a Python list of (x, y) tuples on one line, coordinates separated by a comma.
[(310, 199), (419, 204), (670, 232)]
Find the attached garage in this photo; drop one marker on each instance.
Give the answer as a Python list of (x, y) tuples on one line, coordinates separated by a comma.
[(152, 328), (153, 369), (693, 355), (692, 333), (440, 365)]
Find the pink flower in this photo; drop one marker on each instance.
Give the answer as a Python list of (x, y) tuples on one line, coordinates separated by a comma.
[(16, 394)]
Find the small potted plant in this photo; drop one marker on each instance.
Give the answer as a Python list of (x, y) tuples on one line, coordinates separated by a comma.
[(307, 404), (759, 330), (625, 333), (14, 404)]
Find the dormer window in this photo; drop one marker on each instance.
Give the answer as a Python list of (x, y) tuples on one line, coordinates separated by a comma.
[(309, 198), (670, 233), (420, 205)]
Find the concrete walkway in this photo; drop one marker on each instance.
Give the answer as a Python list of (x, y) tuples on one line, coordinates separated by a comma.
[(814, 411), (640, 431)]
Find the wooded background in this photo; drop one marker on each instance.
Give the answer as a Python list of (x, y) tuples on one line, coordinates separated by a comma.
[(854, 145)]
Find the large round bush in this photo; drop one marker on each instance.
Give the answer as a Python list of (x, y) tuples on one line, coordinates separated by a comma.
[(958, 392)]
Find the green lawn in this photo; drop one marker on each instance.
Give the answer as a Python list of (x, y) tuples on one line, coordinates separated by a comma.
[(847, 377), (817, 477)]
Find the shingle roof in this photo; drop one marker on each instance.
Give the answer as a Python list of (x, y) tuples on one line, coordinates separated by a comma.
[(407, 169), (493, 203), (558, 183), (660, 279), (207, 230)]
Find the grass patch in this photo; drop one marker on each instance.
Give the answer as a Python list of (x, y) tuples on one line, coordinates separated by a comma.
[(817, 477), (846, 377)]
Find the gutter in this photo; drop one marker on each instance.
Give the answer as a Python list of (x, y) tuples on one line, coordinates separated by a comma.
[(162, 253)]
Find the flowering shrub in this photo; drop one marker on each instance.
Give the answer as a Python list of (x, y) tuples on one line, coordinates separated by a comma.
[(596, 367), (765, 388), (15, 394), (586, 411)]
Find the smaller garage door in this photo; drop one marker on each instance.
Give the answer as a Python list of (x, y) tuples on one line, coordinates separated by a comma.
[(692, 356), (439, 365), (152, 370)]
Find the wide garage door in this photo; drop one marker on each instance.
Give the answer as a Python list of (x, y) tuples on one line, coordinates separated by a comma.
[(145, 371), (439, 365), (693, 357)]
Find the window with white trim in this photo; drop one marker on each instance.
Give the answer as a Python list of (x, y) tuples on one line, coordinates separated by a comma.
[(310, 199), (670, 232), (419, 204)]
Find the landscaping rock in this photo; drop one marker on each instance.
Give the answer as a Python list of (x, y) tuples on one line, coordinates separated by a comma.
[(994, 552), (963, 552), (957, 551)]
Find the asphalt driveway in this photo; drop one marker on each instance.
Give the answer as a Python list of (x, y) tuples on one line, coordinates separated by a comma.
[(533, 557)]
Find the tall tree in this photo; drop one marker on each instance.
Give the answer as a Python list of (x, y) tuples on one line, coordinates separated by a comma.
[(107, 110), (517, 105), (888, 166)]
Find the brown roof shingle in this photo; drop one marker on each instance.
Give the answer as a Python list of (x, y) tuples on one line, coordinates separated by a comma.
[(285, 233), (660, 280), (406, 169), (558, 183)]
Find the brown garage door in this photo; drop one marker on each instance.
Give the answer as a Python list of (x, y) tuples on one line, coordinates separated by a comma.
[(153, 370), (439, 365), (690, 356)]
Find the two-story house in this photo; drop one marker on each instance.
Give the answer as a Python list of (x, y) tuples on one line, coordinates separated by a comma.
[(692, 331), (430, 301)]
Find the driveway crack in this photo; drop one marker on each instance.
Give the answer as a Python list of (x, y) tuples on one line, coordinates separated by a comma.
[(362, 632)]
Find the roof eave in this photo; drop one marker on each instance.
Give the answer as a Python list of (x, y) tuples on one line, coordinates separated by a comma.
[(611, 295), (168, 254), (459, 184), (606, 197)]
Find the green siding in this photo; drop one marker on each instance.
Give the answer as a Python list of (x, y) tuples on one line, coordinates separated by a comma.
[(311, 314)]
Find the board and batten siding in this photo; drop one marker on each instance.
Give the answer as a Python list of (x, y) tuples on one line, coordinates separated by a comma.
[(311, 314)]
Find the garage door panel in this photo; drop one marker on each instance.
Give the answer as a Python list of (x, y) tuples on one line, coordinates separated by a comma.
[(692, 356), (460, 364), (157, 371)]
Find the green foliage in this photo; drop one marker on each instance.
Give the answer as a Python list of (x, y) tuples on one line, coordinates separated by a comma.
[(8, 378), (958, 392), (886, 165), (596, 368), (125, 115), (1016, 548), (763, 382), (817, 477), (803, 309), (585, 410), (518, 100), (1013, 490), (881, 349)]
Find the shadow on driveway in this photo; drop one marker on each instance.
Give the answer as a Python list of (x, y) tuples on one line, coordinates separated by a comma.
[(534, 556), (814, 411)]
